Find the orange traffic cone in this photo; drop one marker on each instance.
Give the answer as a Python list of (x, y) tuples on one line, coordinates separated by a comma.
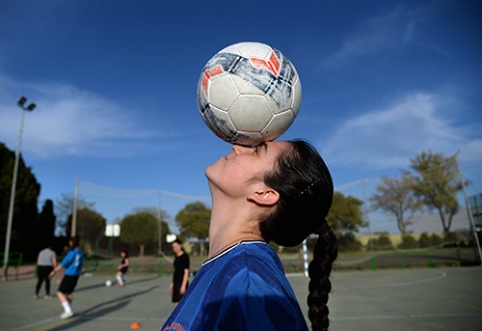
[(135, 325)]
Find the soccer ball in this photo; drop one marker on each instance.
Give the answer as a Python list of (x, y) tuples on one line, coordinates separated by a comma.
[(249, 93), (108, 283)]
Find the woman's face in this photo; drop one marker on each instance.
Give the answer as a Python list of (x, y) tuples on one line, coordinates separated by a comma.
[(245, 165), (176, 248)]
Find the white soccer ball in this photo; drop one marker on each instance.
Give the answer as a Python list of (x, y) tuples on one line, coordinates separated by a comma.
[(108, 283), (249, 93)]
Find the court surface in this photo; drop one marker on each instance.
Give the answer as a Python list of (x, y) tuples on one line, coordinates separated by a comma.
[(407, 299)]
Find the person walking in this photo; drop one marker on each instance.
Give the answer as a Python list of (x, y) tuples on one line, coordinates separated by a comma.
[(72, 263), (46, 262)]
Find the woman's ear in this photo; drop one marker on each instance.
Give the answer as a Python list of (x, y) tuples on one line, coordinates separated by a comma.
[(264, 197)]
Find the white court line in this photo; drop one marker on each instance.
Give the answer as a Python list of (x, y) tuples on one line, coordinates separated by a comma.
[(295, 274), (42, 322), (92, 317), (359, 318), (442, 275)]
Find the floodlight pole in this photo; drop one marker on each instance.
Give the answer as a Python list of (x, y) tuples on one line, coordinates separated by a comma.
[(365, 215), (73, 226), (159, 252), (21, 103)]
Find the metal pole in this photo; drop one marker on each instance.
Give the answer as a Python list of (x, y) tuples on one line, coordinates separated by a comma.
[(31, 107), (160, 224), (74, 211), (305, 258), (365, 215)]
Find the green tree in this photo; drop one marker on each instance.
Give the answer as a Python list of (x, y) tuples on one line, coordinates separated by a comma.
[(89, 225), (45, 227), (154, 211), (193, 221), (25, 209), (396, 197), (139, 229), (345, 214), (436, 183)]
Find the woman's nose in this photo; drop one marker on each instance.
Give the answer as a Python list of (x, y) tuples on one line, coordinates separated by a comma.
[(239, 149)]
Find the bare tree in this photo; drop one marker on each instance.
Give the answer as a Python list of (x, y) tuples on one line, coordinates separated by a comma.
[(396, 197), (64, 209), (436, 182)]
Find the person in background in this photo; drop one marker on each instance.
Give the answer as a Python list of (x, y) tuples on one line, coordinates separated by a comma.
[(122, 268), (180, 278), (46, 262), (72, 263), (278, 191)]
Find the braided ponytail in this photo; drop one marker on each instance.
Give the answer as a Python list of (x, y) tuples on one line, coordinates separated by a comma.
[(325, 253)]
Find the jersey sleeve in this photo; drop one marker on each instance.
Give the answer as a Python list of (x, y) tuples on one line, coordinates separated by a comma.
[(67, 260)]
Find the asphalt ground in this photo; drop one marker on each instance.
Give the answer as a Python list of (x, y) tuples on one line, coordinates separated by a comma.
[(402, 299)]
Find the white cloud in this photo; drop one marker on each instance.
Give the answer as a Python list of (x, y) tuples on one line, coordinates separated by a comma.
[(68, 121), (388, 138), (373, 35)]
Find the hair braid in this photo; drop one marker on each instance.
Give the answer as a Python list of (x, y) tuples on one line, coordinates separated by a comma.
[(325, 253)]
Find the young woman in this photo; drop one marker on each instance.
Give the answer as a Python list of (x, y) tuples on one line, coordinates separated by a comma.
[(46, 262), (122, 268), (280, 192), (72, 263), (180, 277)]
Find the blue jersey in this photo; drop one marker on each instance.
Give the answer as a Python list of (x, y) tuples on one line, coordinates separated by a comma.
[(244, 288), (73, 261)]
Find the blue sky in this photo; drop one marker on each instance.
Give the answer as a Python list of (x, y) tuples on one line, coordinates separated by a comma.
[(115, 88)]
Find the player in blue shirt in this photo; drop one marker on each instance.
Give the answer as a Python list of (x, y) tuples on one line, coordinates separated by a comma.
[(277, 191), (72, 263)]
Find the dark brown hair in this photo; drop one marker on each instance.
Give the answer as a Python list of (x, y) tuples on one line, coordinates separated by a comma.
[(304, 184)]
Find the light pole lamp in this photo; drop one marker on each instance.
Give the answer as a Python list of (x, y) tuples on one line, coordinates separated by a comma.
[(21, 103)]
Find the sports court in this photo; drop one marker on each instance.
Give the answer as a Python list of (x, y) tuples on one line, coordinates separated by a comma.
[(402, 299)]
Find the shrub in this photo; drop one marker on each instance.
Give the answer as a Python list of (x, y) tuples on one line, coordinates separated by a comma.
[(349, 243), (382, 243), (408, 242)]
